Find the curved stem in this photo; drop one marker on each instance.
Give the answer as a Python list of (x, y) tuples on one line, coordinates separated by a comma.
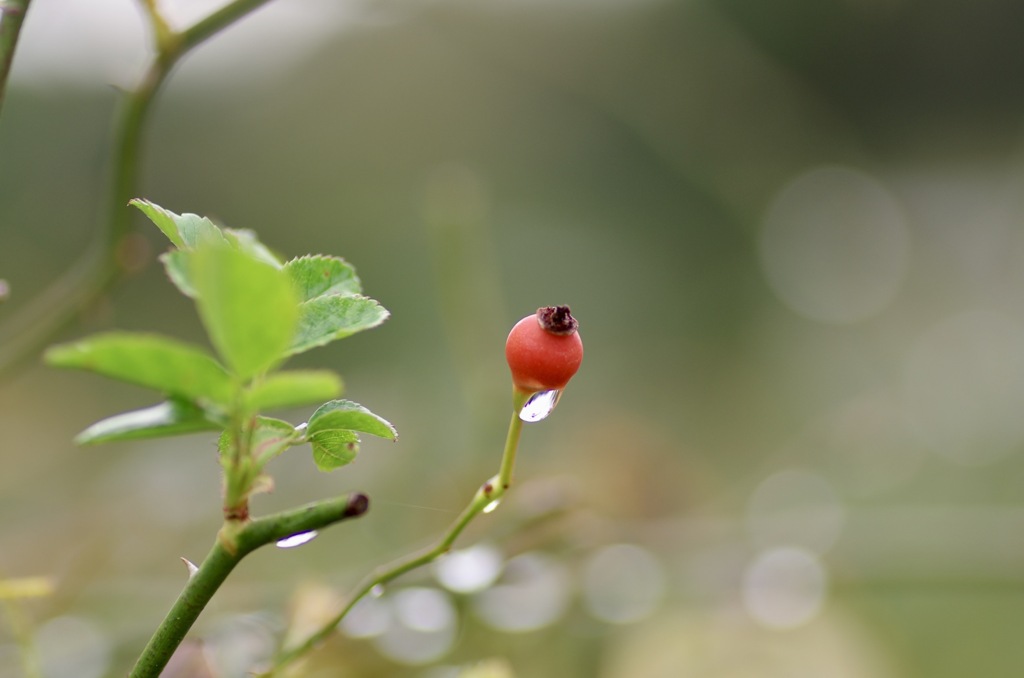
[(100, 268), (221, 560), (12, 16), (490, 492)]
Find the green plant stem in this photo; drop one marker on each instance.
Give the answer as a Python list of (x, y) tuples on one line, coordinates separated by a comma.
[(218, 21), (102, 265), (238, 468), (221, 561), (488, 493), (515, 430), (11, 19)]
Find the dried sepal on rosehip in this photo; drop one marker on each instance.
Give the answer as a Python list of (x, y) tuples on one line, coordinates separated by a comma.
[(544, 350)]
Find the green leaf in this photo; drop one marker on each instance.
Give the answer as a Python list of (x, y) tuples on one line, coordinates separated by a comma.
[(333, 432), (163, 219), (249, 308), (246, 241), (169, 418), (349, 416), (177, 264), (334, 449), (293, 388), (270, 438), (185, 231), (327, 318), (149, 360), (318, 275)]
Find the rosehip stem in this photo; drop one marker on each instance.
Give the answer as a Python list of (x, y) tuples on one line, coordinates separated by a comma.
[(488, 493), (515, 430)]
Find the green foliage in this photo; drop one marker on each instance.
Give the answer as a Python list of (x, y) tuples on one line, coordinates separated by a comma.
[(333, 449), (349, 416), (249, 308), (318, 275), (185, 231), (292, 388), (177, 265), (169, 418), (271, 437), (149, 360), (331, 317), (245, 241), (333, 432), (257, 311)]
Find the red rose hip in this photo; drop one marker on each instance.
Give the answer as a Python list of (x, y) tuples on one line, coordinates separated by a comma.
[(544, 350)]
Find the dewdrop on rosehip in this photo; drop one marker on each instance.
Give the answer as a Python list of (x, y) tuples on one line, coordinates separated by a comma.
[(544, 351)]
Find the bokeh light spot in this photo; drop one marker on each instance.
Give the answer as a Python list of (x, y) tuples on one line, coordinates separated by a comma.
[(965, 387), (867, 447), (370, 617), (72, 647), (795, 507), (422, 628), (834, 246), (239, 642), (784, 588), (424, 609), (469, 570), (533, 593), (623, 583)]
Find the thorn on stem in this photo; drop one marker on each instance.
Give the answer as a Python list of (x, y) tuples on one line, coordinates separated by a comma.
[(192, 569)]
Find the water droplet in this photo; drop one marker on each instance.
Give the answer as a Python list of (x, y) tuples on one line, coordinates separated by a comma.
[(540, 405), (493, 505), (297, 540), (377, 591)]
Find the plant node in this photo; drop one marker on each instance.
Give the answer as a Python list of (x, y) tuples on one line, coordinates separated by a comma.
[(237, 513)]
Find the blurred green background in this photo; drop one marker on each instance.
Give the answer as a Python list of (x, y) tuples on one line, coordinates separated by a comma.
[(791, 232)]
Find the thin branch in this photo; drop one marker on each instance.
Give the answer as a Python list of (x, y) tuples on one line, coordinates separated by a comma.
[(100, 268), (12, 16), (489, 493), (217, 21), (222, 560)]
